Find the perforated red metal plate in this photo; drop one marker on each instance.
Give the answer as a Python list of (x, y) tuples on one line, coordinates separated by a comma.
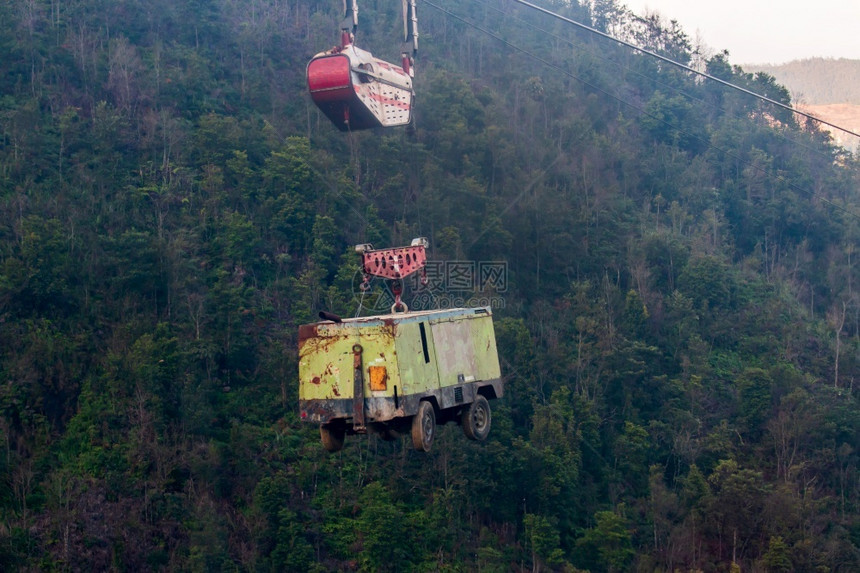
[(394, 263)]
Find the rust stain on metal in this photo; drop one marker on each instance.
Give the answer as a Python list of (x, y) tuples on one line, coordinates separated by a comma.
[(335, 390), (325, 410), (307, 331), (390, 325), (358, 389), (316, 344), (316, 380), (385, 410)]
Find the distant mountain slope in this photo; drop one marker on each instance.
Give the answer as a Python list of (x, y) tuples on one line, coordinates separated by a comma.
[(817, 81), (842, 114)]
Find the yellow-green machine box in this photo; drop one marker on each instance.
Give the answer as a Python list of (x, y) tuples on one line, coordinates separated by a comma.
[(376, 371)]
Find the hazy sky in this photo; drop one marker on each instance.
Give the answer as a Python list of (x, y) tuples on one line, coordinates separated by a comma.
[(766, 31)]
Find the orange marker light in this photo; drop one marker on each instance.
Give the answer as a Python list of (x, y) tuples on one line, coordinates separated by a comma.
[(378, 378)]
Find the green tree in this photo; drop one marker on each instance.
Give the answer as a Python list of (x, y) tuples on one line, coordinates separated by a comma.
[(608, 545), (777, 558), (543, 540), (378, 516), (754, 398)]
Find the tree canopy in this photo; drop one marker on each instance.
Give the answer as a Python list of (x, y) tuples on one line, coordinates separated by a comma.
[(673, 296)]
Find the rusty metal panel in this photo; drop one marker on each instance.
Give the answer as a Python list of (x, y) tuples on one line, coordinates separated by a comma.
[(484, 340), (322, 411), (330, 369), (417, 374), (383, 409), (378, 341), (325, 361), (455, 353), (465, 347), (396, 362)]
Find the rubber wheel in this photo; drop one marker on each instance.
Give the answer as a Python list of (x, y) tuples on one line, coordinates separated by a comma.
[(476, 419), (332, 437), (424, 427)]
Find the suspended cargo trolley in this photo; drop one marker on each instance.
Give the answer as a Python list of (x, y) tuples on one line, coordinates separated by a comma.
[(357, 91), (399, 373)]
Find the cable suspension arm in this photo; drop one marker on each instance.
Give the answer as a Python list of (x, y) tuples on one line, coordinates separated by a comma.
[(350, 15), (410, 25)]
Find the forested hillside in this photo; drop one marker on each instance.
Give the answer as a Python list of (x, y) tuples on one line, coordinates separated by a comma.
[(678, 329)]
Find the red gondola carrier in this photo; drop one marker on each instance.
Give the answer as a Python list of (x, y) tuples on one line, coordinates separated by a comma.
[(357, 91)]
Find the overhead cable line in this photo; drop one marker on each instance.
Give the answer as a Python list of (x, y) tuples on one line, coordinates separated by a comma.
[(647, 77), (707, 143), (596, 55), (682, 66)]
